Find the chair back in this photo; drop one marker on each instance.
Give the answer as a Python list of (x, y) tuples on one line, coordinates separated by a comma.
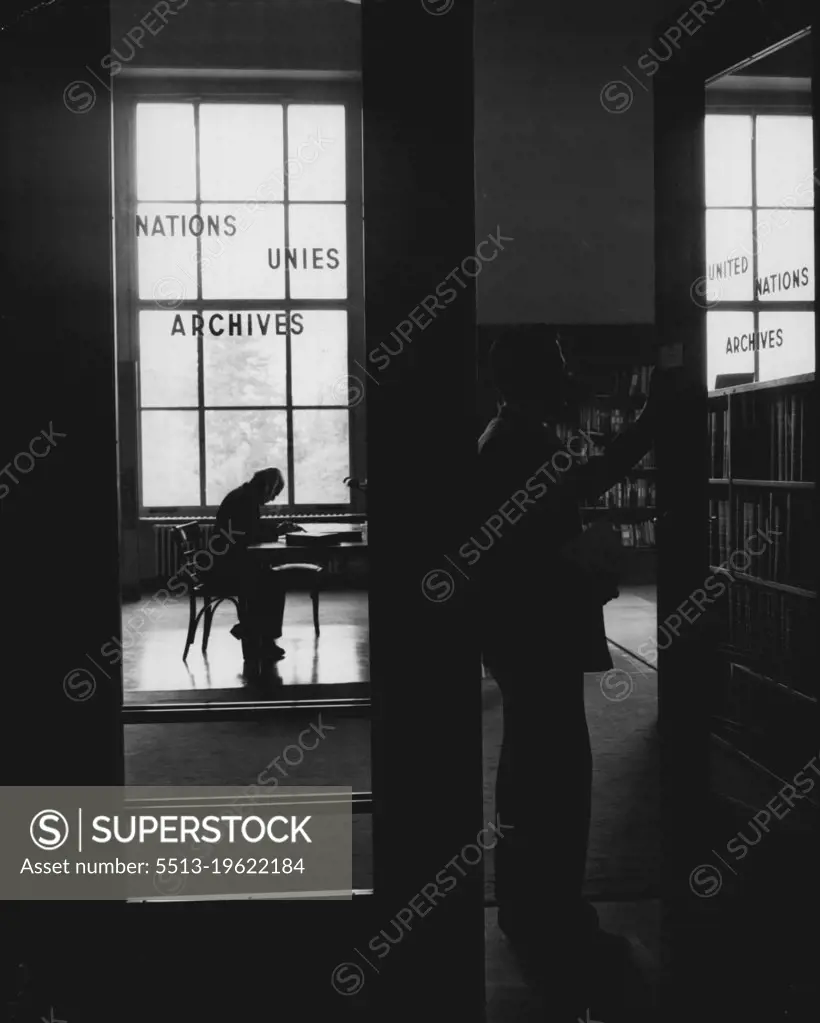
[(188, 541)]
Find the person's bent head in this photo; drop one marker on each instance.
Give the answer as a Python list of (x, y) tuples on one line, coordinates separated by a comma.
[(529, 369), (268, 484)]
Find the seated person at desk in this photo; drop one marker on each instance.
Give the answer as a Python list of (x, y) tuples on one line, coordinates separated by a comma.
[(263, 597)]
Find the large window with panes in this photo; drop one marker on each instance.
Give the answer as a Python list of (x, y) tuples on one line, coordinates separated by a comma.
[(759, 283), (239, 229)]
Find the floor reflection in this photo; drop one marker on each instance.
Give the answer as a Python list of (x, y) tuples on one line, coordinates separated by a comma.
[(338, 656)]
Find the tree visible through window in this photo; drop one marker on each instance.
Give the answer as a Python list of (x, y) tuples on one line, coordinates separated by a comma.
[(238, 214)]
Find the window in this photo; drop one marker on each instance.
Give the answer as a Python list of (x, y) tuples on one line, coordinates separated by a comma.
[(240, 248), (759, 287)]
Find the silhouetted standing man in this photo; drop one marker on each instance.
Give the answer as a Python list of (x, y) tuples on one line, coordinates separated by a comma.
[(542, 628)]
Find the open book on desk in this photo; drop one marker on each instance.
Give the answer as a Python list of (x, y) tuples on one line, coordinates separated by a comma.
[(325, 534)]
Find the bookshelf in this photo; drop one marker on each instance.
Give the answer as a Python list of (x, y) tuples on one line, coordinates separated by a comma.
[(618, 393), (762, 546)]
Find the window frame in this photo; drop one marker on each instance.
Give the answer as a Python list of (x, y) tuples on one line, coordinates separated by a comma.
[(224, 89), (763, 104)]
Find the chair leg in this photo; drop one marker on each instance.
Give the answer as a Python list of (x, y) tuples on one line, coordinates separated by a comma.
[(192, 620), (206, 624), (314, 596)]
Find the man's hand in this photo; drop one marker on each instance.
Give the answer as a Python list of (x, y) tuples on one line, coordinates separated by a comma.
[(290, 527), (666, 384), (670, 356)]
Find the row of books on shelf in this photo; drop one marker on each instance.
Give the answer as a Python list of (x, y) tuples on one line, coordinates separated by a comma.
[(767, 536), (770, 437), (772, 634), (604, 422), (636, 493), (638, 534)]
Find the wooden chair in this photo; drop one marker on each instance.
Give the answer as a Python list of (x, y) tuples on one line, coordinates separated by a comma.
[(188, 540)]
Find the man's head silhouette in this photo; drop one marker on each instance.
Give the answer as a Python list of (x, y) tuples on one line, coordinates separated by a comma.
[(529, 370), (268, 484)]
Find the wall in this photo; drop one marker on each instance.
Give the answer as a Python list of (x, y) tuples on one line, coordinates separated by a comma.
[(570, 181), (320, 35)]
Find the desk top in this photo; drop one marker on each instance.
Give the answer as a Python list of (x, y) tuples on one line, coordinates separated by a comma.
[(315, 530)]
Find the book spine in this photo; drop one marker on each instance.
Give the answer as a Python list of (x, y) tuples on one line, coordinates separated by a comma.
[(793, 437), (785, 566)]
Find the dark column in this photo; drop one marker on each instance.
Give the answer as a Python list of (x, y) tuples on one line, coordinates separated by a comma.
[(420, 377)]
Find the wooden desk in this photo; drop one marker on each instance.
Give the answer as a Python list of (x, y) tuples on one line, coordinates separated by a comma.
[(279, 552)]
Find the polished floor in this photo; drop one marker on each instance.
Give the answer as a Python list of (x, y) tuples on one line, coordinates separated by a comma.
[(339, 656), (631, 619), (153, 665)]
